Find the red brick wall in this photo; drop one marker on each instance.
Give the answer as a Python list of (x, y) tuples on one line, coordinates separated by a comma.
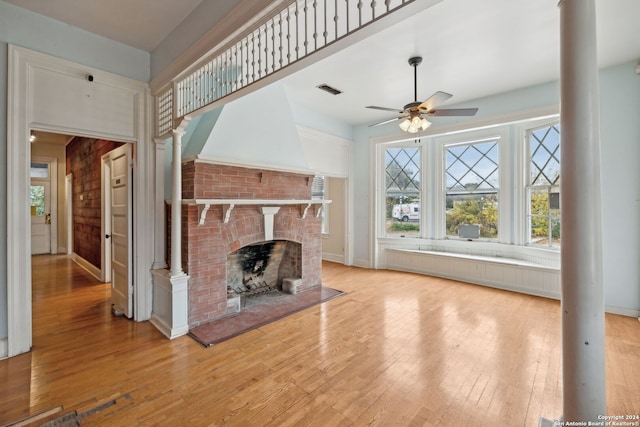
[(83, 161), (205, 247)]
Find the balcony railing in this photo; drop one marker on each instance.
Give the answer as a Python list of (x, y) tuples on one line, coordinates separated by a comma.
[(292, 33)]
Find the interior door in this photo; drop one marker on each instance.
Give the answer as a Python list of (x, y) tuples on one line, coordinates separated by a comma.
[(120, 172), (40, 217)]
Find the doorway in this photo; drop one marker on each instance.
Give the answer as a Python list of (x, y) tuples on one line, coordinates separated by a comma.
[(100, 116), (43, 197)]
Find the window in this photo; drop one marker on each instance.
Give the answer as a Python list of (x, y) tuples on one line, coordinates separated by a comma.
[(402, 191), (39, 170), (37, 200), (472, 184), (498, 184), (543, 186), (319, 191)]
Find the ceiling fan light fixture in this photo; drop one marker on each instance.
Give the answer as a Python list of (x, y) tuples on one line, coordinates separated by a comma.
[(414, 124)]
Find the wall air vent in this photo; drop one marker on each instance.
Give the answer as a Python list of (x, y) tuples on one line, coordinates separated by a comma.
[(331, 90)]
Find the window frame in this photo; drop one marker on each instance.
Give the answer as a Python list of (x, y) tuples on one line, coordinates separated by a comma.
[(447, 191), (324, 217), (528, 188), (501, 135), (512, 211), (381, 216)]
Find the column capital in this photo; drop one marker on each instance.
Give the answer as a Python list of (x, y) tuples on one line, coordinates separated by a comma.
[(182, 126), (159, 143)]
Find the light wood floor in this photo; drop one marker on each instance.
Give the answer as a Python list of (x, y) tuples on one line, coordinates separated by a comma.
[(399, 349)]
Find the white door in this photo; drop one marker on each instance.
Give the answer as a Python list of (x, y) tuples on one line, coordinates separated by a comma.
[(118, 163), (40, 217)]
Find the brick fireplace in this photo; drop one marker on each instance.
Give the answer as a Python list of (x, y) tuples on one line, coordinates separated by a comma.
[(227, 208)]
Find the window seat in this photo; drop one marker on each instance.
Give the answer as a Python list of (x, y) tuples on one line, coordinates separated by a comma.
[(498, 272)]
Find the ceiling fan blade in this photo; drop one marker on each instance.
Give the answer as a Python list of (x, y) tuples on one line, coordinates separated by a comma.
[(453, 112), (395, 110), (388, 121), (434, 100)]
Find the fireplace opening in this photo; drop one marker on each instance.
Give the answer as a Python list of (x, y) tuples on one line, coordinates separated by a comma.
[(257, 271)]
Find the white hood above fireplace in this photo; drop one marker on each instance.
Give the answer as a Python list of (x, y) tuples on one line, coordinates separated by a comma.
[(254, 129)]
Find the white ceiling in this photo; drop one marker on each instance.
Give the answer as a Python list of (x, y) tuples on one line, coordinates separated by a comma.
[(470, 48), (142, 24)]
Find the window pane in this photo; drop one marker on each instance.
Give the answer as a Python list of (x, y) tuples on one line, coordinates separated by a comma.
[(544, 217), (402, 169), (544, 149), (472, 181), (402, 184), (318, 191), (39, 170), (472, 167), (37, 200), (544, 190), (473, 209)]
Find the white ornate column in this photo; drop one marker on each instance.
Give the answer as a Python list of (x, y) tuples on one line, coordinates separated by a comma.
[(159, 226), (176, 200), (170, 287), (583, 329)]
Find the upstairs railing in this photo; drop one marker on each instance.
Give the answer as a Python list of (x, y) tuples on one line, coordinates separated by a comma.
[(293, 32)]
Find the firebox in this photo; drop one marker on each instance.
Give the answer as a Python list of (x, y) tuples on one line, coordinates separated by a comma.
[(259, 268)]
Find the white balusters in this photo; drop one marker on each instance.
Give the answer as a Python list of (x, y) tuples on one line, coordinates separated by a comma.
[(275, 44)]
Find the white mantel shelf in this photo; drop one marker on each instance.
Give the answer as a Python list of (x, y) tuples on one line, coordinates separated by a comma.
[(228, 205)]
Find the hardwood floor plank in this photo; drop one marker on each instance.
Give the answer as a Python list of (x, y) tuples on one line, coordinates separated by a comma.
[(398, 349)]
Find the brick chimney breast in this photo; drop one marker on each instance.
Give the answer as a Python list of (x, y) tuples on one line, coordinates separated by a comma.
[(207, 246)]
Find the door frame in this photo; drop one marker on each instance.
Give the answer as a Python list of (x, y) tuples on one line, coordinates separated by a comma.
[(68, 212), (27, 70), (53, 193), (105, 214)]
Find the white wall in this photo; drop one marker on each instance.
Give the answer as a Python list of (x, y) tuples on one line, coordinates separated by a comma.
[(27, 29), (620, 138)]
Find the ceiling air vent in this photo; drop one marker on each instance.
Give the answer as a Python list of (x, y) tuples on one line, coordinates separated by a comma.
[(332, 90)]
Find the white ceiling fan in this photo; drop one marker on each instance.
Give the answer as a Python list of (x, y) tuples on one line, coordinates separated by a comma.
[(413, 113)]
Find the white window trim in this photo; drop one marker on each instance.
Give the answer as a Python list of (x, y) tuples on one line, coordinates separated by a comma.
[(525, 185), (513, 158), (504, 196), (381, 190)]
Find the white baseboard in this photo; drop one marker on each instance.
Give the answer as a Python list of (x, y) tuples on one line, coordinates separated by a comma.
[(339, 258), (622, 311), (362, 263), (166, 330), (4, 348), (90, 268), (545, 422)]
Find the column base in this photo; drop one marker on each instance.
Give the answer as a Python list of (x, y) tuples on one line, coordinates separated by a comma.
[(548, 423), (170, 314)]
